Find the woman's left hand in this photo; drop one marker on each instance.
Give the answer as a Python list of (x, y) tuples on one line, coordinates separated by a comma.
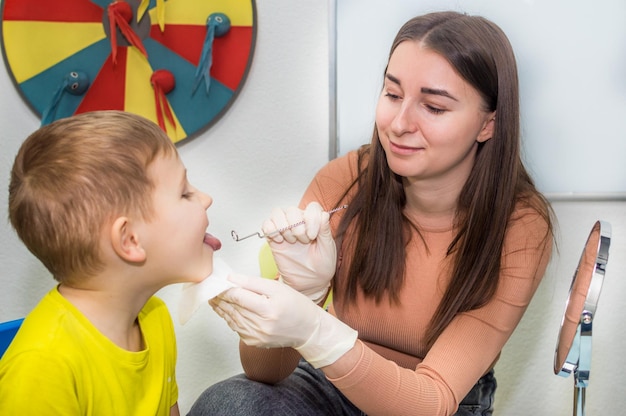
[(268, 313)]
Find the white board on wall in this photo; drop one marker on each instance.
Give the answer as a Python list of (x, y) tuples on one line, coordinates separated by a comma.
[(571, 59)]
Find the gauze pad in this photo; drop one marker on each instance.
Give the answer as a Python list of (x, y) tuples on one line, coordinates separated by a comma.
[(195, 294)]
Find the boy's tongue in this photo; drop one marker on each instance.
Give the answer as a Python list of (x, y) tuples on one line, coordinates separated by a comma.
[(212, 241)]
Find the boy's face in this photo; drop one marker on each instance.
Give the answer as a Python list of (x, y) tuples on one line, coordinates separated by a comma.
[(175, 239)]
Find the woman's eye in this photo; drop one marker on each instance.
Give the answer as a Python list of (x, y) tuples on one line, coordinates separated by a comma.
[(434, 110), (392, 97)]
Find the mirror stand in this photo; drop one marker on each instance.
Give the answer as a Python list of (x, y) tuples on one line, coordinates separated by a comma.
[(573, 350), (582, 347)]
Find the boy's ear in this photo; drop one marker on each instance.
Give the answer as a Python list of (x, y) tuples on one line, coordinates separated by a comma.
[(487, 132), (125, 241)]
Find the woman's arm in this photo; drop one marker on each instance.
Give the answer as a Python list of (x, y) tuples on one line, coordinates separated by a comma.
[(465, 351)]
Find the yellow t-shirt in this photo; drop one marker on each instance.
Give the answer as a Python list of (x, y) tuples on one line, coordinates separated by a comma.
[(60, 364)]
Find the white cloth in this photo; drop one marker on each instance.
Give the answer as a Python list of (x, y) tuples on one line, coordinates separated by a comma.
[(195, 294)]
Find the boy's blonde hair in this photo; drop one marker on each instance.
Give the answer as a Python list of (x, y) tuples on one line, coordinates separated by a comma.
[(75, 175)]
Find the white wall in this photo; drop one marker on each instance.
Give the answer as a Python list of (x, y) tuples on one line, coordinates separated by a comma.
[(262, 154), (568, 57)]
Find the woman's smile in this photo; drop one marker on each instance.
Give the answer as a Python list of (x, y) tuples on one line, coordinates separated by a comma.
[(403, 149)]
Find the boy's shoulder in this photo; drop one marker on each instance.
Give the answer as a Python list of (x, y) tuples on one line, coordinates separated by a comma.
[(50, 327), (56, 327), (47, 339)]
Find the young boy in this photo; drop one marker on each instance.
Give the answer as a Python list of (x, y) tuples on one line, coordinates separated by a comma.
[(102, 200)]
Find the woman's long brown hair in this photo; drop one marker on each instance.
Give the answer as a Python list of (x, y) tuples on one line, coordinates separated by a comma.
[(482, 55)]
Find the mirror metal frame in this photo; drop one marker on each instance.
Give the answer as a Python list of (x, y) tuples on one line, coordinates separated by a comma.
[(578, 360)]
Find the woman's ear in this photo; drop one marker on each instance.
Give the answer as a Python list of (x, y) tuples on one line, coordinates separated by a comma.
[(125, 241), (488, 127)]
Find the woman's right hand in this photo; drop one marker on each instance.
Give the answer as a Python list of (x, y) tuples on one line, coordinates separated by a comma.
[(306, 255)]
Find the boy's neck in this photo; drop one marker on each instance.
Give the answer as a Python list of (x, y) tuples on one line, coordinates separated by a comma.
[(113, 313)]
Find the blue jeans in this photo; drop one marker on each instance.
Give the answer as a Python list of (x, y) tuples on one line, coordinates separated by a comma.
[(479, 401), (307, 392)]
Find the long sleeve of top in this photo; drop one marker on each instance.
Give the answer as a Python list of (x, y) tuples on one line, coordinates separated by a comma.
[(396, 373)]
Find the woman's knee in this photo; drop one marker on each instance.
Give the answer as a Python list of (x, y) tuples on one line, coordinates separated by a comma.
[(234, 393)]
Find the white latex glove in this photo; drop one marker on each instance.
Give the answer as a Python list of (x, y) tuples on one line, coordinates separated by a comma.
[(306, 255), (267, 313)]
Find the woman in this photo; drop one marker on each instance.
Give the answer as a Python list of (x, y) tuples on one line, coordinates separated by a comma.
[(440, 249)]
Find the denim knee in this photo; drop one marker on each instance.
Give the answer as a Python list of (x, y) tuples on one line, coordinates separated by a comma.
[(479, 401)]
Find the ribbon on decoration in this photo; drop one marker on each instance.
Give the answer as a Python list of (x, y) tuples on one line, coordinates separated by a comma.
[(163, 82), (120, 14), (218, 24), (75, 83), (160, 12)]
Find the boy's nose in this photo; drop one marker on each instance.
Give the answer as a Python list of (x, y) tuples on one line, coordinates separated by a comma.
[(206, 199)]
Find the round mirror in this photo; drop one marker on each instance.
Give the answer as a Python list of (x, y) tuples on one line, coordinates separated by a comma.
[(573, 349)]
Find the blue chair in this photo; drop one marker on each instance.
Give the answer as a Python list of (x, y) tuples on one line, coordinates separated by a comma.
[(7, 333)]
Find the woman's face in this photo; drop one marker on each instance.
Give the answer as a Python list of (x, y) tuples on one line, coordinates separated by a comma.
[(429, 119)]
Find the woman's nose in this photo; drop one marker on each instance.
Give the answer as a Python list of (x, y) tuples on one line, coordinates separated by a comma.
[(405, 121)]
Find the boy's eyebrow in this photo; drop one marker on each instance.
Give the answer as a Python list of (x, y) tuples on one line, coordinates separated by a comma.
[(424, 90)]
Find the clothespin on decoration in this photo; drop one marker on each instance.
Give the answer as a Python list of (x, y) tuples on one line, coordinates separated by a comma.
[(120, 15), (163, 82), (218, 24), (75, 83), (160, 12)]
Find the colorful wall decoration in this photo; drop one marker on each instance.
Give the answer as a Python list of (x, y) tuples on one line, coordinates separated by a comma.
[(179, 63)]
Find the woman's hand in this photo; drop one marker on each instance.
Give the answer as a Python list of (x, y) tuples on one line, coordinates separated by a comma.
[(267, 313), (306, 255)]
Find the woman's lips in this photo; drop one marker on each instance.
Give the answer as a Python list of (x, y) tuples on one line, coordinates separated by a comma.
[(403, 150), (212, 241)]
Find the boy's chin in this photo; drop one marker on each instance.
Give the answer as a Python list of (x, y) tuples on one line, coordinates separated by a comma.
[(208, 267), (199, 276), (206, 273)]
